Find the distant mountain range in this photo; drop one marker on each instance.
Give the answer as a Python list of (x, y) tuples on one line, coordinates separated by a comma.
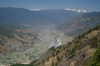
[(16, 16), (81, 24), (76, 10), (60, 15)]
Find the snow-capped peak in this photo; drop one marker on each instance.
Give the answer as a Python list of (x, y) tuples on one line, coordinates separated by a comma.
[(77, 10), (35, 9)]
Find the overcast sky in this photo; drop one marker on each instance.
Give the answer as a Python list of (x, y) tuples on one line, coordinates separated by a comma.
[(90, 5)]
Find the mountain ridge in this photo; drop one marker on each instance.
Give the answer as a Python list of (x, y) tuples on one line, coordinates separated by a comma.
[(10, 15), (76, 10), (21, 15), (60, 15), (81, 24)]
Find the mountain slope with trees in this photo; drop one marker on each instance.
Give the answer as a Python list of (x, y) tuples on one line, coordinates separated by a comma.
[(81, 24)]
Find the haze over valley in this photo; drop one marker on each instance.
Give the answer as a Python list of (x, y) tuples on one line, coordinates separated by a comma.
[(41, 34), (33, 31)]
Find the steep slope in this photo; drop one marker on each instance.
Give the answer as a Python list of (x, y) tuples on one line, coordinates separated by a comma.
[(81, 24), (60, 15), (75, 53)]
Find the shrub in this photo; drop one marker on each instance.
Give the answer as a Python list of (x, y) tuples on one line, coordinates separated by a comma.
[(96, 59), (52, 64), (83, 35), (52, 49), (56, 64), (57, 52), (79, 36), (94, 41), (79, 46), (96, 28), (67, 50), (58, 59), (69, 43), (43, 61), (77, 41), (73, 50), (64, 47), (59, 47), (53, 54), (47, 59), (65, 55), (90, 30)]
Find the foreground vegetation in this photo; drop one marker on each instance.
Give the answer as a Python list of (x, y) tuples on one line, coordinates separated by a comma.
[(95, 61)]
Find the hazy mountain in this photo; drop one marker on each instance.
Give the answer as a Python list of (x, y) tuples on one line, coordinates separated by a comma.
[(61, 15), (76, 10), (81, 24), (13, 16)]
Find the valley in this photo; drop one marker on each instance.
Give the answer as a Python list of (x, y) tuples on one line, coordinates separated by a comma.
[(28, 46), (52, 37)]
